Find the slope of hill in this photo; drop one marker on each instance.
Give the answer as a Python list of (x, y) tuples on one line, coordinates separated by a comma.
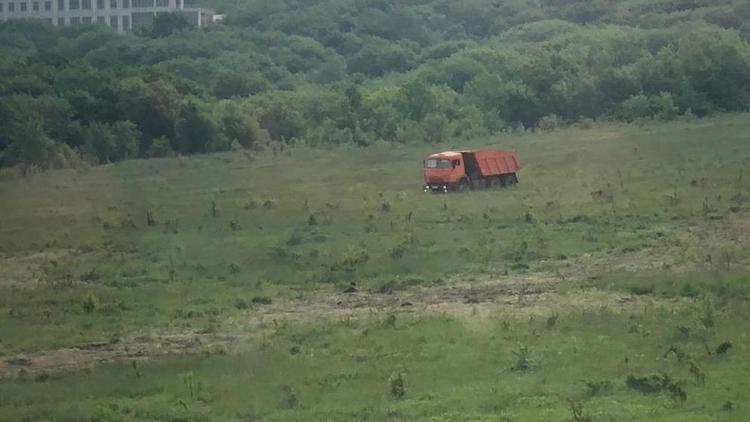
[(322, 284)]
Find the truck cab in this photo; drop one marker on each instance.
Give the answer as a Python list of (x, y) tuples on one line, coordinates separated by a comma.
[(445, 171)]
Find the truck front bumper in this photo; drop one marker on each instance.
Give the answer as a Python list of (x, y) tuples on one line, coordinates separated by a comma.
[(437, 187)]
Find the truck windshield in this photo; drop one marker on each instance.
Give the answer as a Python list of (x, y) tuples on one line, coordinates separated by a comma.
[(437, 164)]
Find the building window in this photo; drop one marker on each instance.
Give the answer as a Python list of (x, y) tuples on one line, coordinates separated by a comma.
[(86, 4), (113, 21), (100, 4), (162, 3), (11, 7), (75, 21), (36, 6), (113, 4), (74, 5), (48, 21), (125, 4), (126, 23), (143, 3), (60, 4), (86, 19), (48, 5), (178, 3), (100, 20), (23, 6), (1, 8), (60, 21)]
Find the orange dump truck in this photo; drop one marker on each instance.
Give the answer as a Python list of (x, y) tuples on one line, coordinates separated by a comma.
[(476, 169)]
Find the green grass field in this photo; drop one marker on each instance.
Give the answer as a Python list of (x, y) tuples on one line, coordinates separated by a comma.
[(610, 285)]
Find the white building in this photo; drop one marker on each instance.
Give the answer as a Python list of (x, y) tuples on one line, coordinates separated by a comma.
[(123, 15)]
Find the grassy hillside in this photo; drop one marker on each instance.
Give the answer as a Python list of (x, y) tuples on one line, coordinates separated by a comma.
[(304, 278)]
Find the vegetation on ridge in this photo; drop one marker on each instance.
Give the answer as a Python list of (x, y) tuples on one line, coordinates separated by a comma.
[(357, 71)]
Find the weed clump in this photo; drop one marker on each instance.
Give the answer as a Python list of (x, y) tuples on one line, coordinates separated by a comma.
[(150, 220), (396, 385), (390, 321), (576, 409), (90, 303), (656, 384), (552, 320), (523, 359), (241, 304), (723, 348), (261, 300), (598, 388), (234, 268), (289, 398)]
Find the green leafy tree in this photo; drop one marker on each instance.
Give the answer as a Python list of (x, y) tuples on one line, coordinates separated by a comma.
[(99, 145), (194, 130), (27, 144), (241, 125), (127, 140), (166, 24)]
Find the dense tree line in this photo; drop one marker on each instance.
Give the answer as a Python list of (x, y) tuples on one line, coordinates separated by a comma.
[(357, 71)]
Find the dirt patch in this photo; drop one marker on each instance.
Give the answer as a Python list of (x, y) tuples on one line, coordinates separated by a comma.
[(27, 271), (90, 354), (528, 296), (320, 306)]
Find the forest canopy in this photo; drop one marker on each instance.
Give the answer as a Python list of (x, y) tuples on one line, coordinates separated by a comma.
[(359, 71)]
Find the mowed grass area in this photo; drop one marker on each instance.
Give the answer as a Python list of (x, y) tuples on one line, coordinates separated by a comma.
[(656, 214)]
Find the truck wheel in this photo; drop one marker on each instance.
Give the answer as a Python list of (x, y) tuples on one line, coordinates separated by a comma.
[(463, 185)]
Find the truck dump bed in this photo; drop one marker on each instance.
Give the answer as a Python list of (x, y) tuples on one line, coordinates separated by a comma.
[(492, 163)]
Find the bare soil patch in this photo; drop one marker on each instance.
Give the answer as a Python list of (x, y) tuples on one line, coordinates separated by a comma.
[(532, 294)]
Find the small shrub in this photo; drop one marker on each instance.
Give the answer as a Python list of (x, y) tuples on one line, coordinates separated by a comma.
[(390, 321), (150, 220), (523, 359), (641, 290), (396, 385), (549, 122), (576, 408), (295, 239), (585, 123), (656, 384), (289, 398), (598, 388), (90, 303), (261, 300), (723, 348), (234, 268), (241, 304), (552, 320)]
